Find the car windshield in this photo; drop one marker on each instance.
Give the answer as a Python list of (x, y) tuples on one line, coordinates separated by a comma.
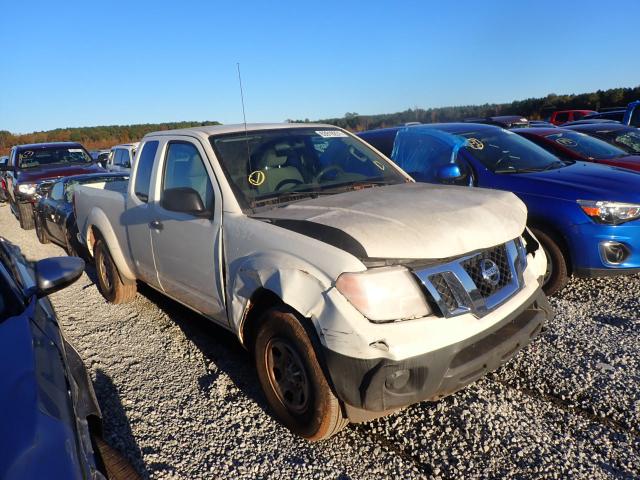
[(630, 141), (52, 155), (586, 146), (502, 151), (274, 166)]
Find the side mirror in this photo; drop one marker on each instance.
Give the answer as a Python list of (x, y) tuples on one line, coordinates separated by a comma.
[(183, 199), (449, 172), (56, 273)]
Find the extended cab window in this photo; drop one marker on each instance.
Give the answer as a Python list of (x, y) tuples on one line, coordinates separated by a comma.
[(143, 172), (562, 117), (184, 168)]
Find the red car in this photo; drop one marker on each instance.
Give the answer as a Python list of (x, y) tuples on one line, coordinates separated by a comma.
[(571, 145), (563, 116)]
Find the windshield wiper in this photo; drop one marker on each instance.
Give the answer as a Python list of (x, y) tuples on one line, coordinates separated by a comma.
[(289, 196)]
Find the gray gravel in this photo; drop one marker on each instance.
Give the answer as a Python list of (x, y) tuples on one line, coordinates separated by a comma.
[(180, 397)]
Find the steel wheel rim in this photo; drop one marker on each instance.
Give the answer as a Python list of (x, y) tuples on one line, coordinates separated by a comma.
[(287, 375), (104, 272)]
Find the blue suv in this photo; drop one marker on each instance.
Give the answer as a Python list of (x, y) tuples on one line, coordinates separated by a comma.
[(586, 216)]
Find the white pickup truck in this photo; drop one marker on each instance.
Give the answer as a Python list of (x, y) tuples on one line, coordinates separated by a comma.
[(358, 291)]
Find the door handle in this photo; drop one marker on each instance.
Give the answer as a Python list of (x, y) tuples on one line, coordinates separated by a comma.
[(156, 225)]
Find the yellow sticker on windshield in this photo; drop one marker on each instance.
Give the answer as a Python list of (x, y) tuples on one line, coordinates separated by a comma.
[(257, 178), (475, 144), (567, 142)]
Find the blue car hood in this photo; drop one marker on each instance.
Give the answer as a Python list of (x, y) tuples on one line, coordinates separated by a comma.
[(586, 181)]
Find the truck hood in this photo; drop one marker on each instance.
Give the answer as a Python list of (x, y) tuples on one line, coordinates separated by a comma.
[(407, 221), (45, 172), (582, 180)]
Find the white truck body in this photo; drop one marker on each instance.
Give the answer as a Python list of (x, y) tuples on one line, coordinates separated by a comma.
[(298, 251)]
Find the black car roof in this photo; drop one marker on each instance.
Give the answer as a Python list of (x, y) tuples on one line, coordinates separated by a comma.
[(34, 146), (90, 176)]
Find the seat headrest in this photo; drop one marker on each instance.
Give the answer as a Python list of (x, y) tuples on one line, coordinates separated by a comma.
[(273, 158)]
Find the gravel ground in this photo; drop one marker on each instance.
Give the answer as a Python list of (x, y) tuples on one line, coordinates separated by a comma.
[(180, 397)]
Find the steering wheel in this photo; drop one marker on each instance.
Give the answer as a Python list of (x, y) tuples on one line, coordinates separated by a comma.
[(287, 181), (330, 168)]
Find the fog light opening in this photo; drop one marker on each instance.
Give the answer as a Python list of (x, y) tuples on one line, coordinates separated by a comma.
[(398, 380), (614, 253)]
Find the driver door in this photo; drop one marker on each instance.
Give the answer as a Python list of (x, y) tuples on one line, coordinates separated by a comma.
[(186, 247)]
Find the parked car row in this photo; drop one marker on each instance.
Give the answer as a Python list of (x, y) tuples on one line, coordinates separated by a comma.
[(360, 285)]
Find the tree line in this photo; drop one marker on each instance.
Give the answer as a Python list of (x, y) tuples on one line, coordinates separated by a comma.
[(532, 108), (92, 137)]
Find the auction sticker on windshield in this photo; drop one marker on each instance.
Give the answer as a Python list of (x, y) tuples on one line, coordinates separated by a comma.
[(567, 142), (331, 133), (475, 143)]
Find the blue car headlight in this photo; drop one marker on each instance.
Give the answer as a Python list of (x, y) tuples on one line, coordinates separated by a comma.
[(610, 213)]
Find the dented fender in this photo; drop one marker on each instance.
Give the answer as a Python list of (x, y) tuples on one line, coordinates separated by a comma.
[(298, 284)]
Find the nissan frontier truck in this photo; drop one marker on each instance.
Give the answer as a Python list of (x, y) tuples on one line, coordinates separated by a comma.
[(357, 290)]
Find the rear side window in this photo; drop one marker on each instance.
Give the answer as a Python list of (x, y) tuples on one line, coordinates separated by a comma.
[(635, 117), (143, 172), (562, 117)]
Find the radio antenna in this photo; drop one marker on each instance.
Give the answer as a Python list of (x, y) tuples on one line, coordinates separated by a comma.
[(244, 117)]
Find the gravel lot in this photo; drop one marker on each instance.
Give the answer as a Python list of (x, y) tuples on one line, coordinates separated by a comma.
[(180, 398)]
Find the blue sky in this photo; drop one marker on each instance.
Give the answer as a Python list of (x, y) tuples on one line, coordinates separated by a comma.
[(66, 64)]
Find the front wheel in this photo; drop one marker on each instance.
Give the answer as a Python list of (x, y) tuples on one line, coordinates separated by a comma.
[(112, 288), (557, 274), (292, 379), (25, 215), (40, 233)]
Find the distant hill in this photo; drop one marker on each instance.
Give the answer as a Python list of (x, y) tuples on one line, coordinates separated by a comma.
[(532, 108), (92, 137)]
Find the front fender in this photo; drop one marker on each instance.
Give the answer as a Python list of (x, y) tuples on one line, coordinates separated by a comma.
[(298, 284), (98, 220)]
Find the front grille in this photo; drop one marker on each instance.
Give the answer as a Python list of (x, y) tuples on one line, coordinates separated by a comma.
[(443, 288), (476, 283), (488, 285)]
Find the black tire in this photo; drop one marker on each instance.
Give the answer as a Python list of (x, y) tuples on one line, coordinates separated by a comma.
[(304, 401), (115, 465), (557, 274), (40, 232), (112, 288), (25, 215)]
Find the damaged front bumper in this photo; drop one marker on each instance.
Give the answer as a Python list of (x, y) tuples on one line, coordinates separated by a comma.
[(382, 384)]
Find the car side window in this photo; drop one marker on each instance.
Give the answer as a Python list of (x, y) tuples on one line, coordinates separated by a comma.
[(57, 192), (562, 117), (117, 157), (635, 117), (143, 171), (184, 168)]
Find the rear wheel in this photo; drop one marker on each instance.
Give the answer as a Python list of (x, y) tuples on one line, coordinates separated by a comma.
[(40, 233), (25, 215), (116, 466), (112, 288), (557, 274), (292, 379)]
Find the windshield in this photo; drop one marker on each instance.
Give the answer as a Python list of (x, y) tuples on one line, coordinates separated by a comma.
[(629, 141), (275, 165), (52, 155), (586, 146), (502, 151)]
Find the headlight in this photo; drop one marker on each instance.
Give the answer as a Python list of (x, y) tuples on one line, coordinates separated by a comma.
[(27, 188), (384, 294), (611, 213)]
